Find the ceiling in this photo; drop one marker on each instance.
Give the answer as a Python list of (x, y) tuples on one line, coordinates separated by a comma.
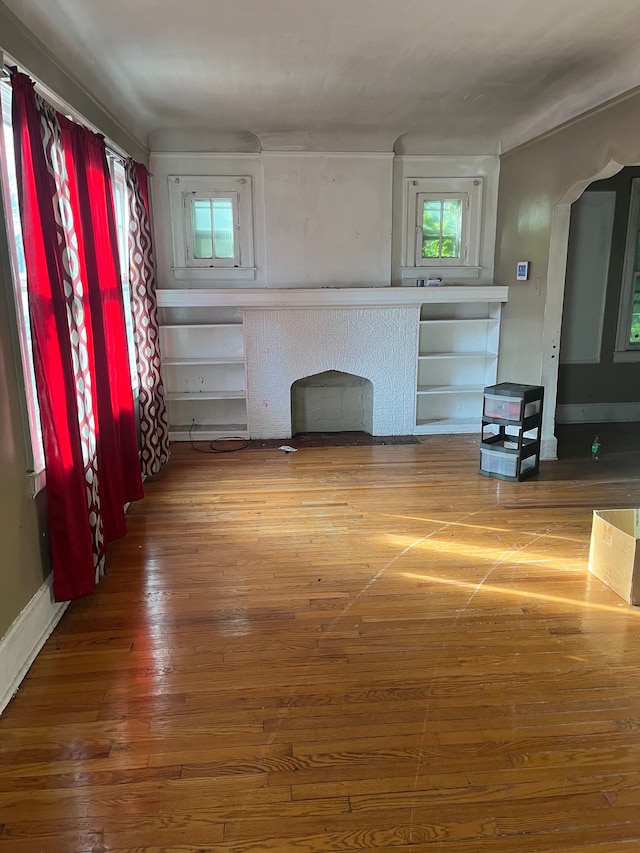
[(462, 76)]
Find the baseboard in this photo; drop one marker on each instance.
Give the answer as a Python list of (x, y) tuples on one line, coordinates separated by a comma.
[(596, 413), (25, 638), (548, 449)]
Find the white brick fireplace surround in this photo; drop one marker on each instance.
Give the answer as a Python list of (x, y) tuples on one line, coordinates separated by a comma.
[(274, 337), (283, 345)]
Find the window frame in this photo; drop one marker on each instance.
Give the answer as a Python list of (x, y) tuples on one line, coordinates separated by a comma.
[(625, 350), (182, 190), (469, 191), (34, 448)]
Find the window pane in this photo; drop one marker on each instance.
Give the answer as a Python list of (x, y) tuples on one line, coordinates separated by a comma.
[(202, 223), (451, 228), (431, 228), (634, 334), (121, 202), (430, 248), (441, 228), (223, 227)]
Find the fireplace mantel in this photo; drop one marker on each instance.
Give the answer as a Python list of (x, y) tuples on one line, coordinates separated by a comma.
[(330, 297), (231, 356)]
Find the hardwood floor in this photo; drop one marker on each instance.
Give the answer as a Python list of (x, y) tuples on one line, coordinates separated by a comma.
[(340, 649)]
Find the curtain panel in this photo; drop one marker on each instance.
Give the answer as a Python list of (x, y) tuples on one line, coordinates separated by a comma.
[(152, 413), (79, 337)]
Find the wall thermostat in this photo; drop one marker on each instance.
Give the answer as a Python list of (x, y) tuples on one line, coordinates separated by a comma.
[(522, 271)]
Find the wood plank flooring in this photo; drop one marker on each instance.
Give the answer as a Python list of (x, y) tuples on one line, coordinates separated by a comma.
[(340, 649)]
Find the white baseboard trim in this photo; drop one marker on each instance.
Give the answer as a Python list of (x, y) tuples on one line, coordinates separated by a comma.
[(586, 413), (548, 449), (25, 638)]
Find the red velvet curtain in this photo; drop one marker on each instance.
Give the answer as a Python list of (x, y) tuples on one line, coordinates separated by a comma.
[(94, 214), (79, 338)]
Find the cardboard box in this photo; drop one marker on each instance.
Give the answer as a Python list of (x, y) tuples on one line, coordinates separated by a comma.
[(614, 553)]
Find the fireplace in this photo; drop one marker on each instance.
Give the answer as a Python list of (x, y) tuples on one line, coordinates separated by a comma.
[(288, 344), (332, 401)]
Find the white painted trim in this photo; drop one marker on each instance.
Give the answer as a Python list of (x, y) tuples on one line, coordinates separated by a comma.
[(207, 155), (410, 273), (38, 480), (474, 158), (330, 297), (586, 413), (214, 274), (627, 357), (360, 155), (25, 638), (548, 449), (625, 307), (552, 325), (556, 273)]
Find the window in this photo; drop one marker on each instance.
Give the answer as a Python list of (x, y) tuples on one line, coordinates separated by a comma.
[(121, 205), (628, 335), (442, 226), (35, 450), (211, 236), (439, 228), (212, 227)]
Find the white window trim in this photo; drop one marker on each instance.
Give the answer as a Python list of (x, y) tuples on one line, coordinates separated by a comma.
[(626, 351), (32, 434), (470, 190), (183, 187)]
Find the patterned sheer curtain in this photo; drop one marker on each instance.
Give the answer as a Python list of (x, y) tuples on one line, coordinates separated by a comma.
[(79, 337), (152, 413)]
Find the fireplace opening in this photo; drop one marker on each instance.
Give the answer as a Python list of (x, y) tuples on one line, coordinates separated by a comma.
[(332, 401)]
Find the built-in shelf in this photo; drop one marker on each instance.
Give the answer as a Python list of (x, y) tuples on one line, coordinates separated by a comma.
[(483, 321), (205, 377), (200, 325), (204, 362), (457, 358), (444, 426), (179, 362), (427, 355), (450, 389), (204, 432), (205, 395)]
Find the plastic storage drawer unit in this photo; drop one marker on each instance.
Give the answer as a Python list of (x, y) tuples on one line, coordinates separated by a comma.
[(497, 463), (510, 438)]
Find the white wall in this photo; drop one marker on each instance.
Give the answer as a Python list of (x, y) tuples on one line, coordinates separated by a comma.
[(322, 218), (328, 218)]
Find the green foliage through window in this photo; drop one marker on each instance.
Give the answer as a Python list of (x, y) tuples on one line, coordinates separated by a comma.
[(634, 332), (441, 228)]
